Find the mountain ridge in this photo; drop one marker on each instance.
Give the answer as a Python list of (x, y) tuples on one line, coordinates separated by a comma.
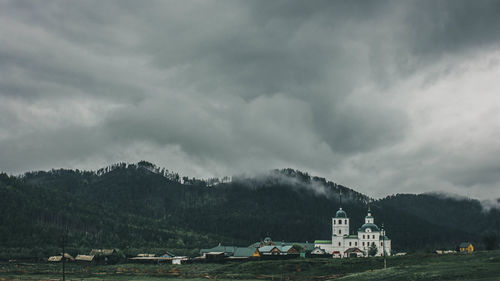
[(141, 206)]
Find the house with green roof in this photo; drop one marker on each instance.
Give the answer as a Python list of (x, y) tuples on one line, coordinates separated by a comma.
[(227, 250), (282, 250), (232, 252), (302, 247)]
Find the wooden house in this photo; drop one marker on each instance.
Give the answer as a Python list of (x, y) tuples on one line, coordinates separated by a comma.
[(283, 250), (214, 256), (227, 250), (289, 250), (84, 258), (59, 258), (269, 251), (466, 247), (105, 256), (230, 252), (319, 253)]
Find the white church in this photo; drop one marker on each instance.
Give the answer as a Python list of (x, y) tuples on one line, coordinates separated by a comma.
[(345, 245)]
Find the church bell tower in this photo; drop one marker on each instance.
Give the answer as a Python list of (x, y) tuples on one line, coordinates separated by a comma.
[(340, 228)]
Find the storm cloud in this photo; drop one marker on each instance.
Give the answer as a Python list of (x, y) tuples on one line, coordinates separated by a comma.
[(382, 96)]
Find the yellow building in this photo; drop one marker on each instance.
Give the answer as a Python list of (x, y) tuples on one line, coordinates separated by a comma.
[(466, 247)]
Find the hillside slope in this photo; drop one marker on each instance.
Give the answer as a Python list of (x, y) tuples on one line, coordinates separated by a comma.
[(139, 206)]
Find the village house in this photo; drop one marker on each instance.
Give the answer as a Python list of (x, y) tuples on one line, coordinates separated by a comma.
[(59, 258), (305, 248), (263, 248), (214, 256), (319, 253), (466, 247), (105, 256), (230, 252), (278, 250), (84, 258)]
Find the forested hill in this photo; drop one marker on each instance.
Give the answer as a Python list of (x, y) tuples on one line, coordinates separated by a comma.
[(139, 207)]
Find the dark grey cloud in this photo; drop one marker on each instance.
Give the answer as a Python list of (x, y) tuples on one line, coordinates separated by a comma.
[(440, 27), (380, 95)]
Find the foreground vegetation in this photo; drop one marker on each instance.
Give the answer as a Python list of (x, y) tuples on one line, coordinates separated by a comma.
[(477, 266)]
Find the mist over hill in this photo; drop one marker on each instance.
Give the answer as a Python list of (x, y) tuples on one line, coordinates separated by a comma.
[(141, 206)]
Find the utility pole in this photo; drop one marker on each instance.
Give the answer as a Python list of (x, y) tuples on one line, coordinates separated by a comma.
[(383, 246), (63, 257)]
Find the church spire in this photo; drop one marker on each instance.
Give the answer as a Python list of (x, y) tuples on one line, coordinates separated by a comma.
[(340, 213), (369, 218)]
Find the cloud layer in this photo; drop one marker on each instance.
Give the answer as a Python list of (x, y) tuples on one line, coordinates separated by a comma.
[(384, 96)]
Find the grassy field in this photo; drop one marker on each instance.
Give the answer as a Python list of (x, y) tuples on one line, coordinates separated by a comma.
[(477, 266)]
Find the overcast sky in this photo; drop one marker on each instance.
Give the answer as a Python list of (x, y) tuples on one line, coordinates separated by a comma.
[(384, 97)]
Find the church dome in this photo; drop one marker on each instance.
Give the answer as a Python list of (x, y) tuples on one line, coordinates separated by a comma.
[(341, 214), (371, 226)]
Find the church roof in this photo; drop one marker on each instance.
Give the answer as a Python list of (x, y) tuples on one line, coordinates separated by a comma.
[(341, 214), (371, 226)]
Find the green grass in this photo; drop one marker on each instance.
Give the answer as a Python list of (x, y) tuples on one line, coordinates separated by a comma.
[(477, 266)]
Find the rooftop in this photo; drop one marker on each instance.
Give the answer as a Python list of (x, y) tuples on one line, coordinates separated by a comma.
[(371, 226), (322, 241)]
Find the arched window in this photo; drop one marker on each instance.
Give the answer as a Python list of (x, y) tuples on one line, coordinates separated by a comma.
[(339, 243), (373, 236), (340, 221), (345, 221), (340, 231), (363, 243), (334, 221), (363, 236)]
